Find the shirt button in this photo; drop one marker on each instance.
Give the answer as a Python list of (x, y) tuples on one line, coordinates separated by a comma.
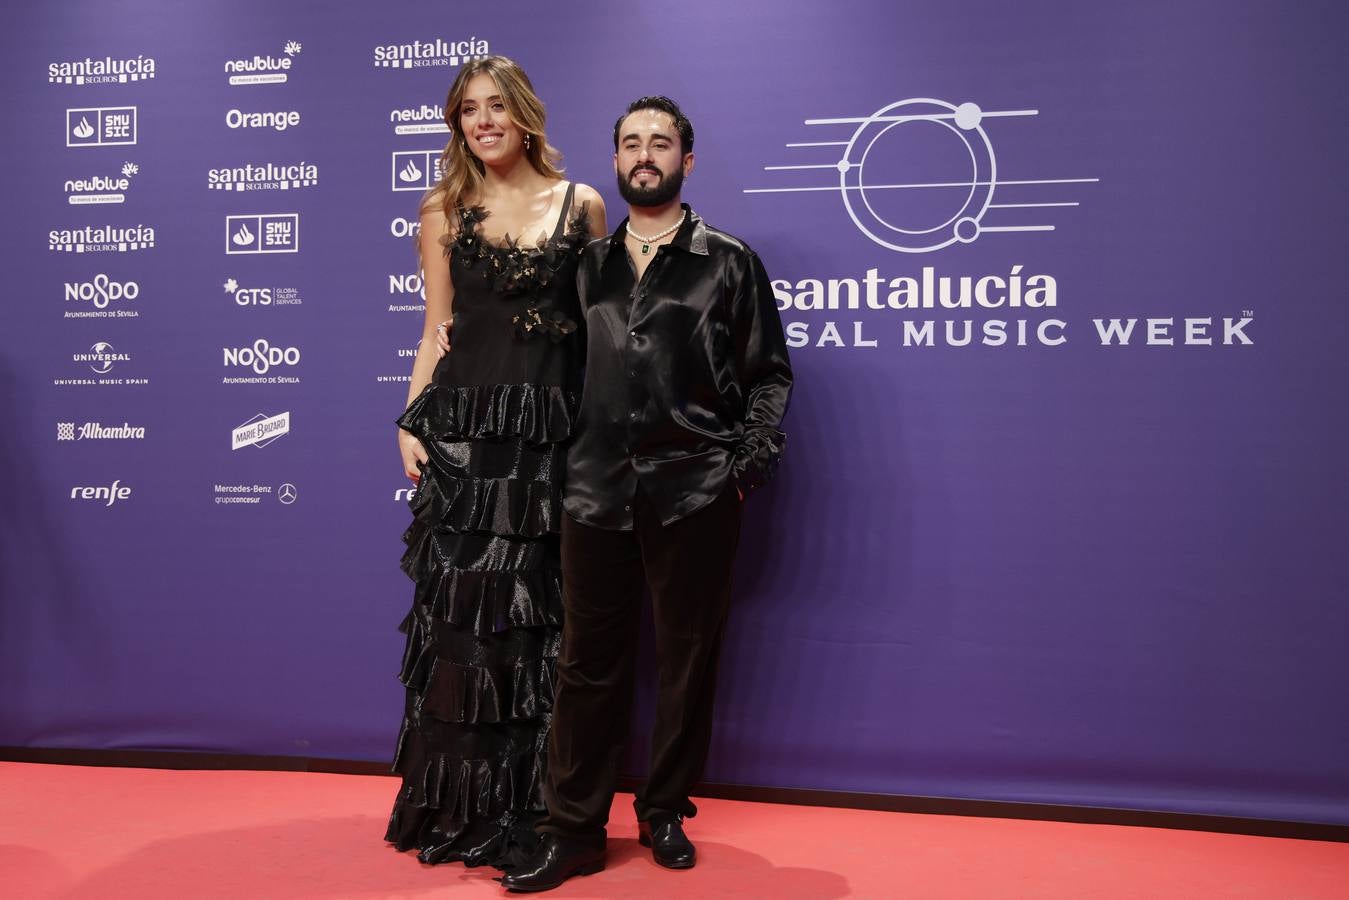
[(627, 509), (632, 415), (632, 333)]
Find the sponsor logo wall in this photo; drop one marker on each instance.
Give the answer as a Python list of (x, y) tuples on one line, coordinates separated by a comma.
[(1065, 333)]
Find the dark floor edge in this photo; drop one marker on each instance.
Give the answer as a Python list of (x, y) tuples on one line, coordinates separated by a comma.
[(945, 806)]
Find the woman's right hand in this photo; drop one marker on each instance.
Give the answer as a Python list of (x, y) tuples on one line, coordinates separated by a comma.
[(443, 337), (413, 453)]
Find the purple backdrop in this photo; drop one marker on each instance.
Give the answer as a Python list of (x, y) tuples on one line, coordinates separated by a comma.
[(1053, 569)]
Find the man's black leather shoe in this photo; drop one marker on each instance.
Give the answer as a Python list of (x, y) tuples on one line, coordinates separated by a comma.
[(556, 860), (664, 834)]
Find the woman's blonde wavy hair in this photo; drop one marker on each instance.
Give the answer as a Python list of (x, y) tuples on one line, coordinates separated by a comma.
[(462, 172)]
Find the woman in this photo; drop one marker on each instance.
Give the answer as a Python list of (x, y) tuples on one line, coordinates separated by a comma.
[(483, 439)]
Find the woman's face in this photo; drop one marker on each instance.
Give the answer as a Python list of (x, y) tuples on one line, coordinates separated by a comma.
[(487, 129)]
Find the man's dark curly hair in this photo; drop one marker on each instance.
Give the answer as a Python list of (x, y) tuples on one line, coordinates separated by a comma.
[(665, 105)]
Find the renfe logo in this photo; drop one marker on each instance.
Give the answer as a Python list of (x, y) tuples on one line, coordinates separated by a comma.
[(264, 233), (112, 493), (101, 126)]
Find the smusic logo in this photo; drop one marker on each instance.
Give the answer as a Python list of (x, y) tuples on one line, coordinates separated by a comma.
[(101, 126), (108, 70), (101, 188), (415, 170), (265, 233), (263, 177), (263, 69)]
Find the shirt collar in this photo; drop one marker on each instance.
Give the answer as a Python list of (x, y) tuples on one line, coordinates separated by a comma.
[(691, 236)]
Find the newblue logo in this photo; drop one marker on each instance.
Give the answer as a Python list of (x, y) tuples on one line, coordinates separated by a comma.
[(265, 233), (263, 69), (101, 188), (101, 126), (424, 119)]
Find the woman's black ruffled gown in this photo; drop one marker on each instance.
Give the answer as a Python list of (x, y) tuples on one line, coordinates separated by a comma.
[(485, 625)]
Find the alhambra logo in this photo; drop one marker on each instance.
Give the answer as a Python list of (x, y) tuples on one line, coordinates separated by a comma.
[(108, 70), (101, 188), (432, 53), (919, 175), (267, 233), (264, 69), (414, 170), (101, 126), (97, 431), (101, 239), (263, 177)]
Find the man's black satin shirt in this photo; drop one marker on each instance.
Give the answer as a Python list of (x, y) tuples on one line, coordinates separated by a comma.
[(687, 377)]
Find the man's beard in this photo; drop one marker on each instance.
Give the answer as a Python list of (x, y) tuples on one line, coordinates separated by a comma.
[(658, 194)]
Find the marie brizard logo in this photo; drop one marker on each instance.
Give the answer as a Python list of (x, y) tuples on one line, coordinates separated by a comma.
[(920, 174)]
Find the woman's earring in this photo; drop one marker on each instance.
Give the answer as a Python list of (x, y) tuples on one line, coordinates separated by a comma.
[(529, 140)]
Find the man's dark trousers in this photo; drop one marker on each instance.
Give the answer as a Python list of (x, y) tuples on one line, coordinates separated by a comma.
[(686, 565)]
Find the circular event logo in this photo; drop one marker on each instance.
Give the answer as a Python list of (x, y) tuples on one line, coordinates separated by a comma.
[(287, 493), (945, 194)]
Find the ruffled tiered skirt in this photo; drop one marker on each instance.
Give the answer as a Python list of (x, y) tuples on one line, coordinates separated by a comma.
[(485, 624)]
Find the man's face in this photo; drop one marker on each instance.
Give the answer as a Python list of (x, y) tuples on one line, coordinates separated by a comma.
[(650, 163)]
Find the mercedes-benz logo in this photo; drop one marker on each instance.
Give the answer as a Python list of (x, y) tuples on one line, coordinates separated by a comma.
[(287, 493)]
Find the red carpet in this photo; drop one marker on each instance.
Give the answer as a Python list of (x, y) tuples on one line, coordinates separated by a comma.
[(75, 832)]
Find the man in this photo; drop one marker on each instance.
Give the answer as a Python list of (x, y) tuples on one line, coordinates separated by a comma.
[(687, 381)]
